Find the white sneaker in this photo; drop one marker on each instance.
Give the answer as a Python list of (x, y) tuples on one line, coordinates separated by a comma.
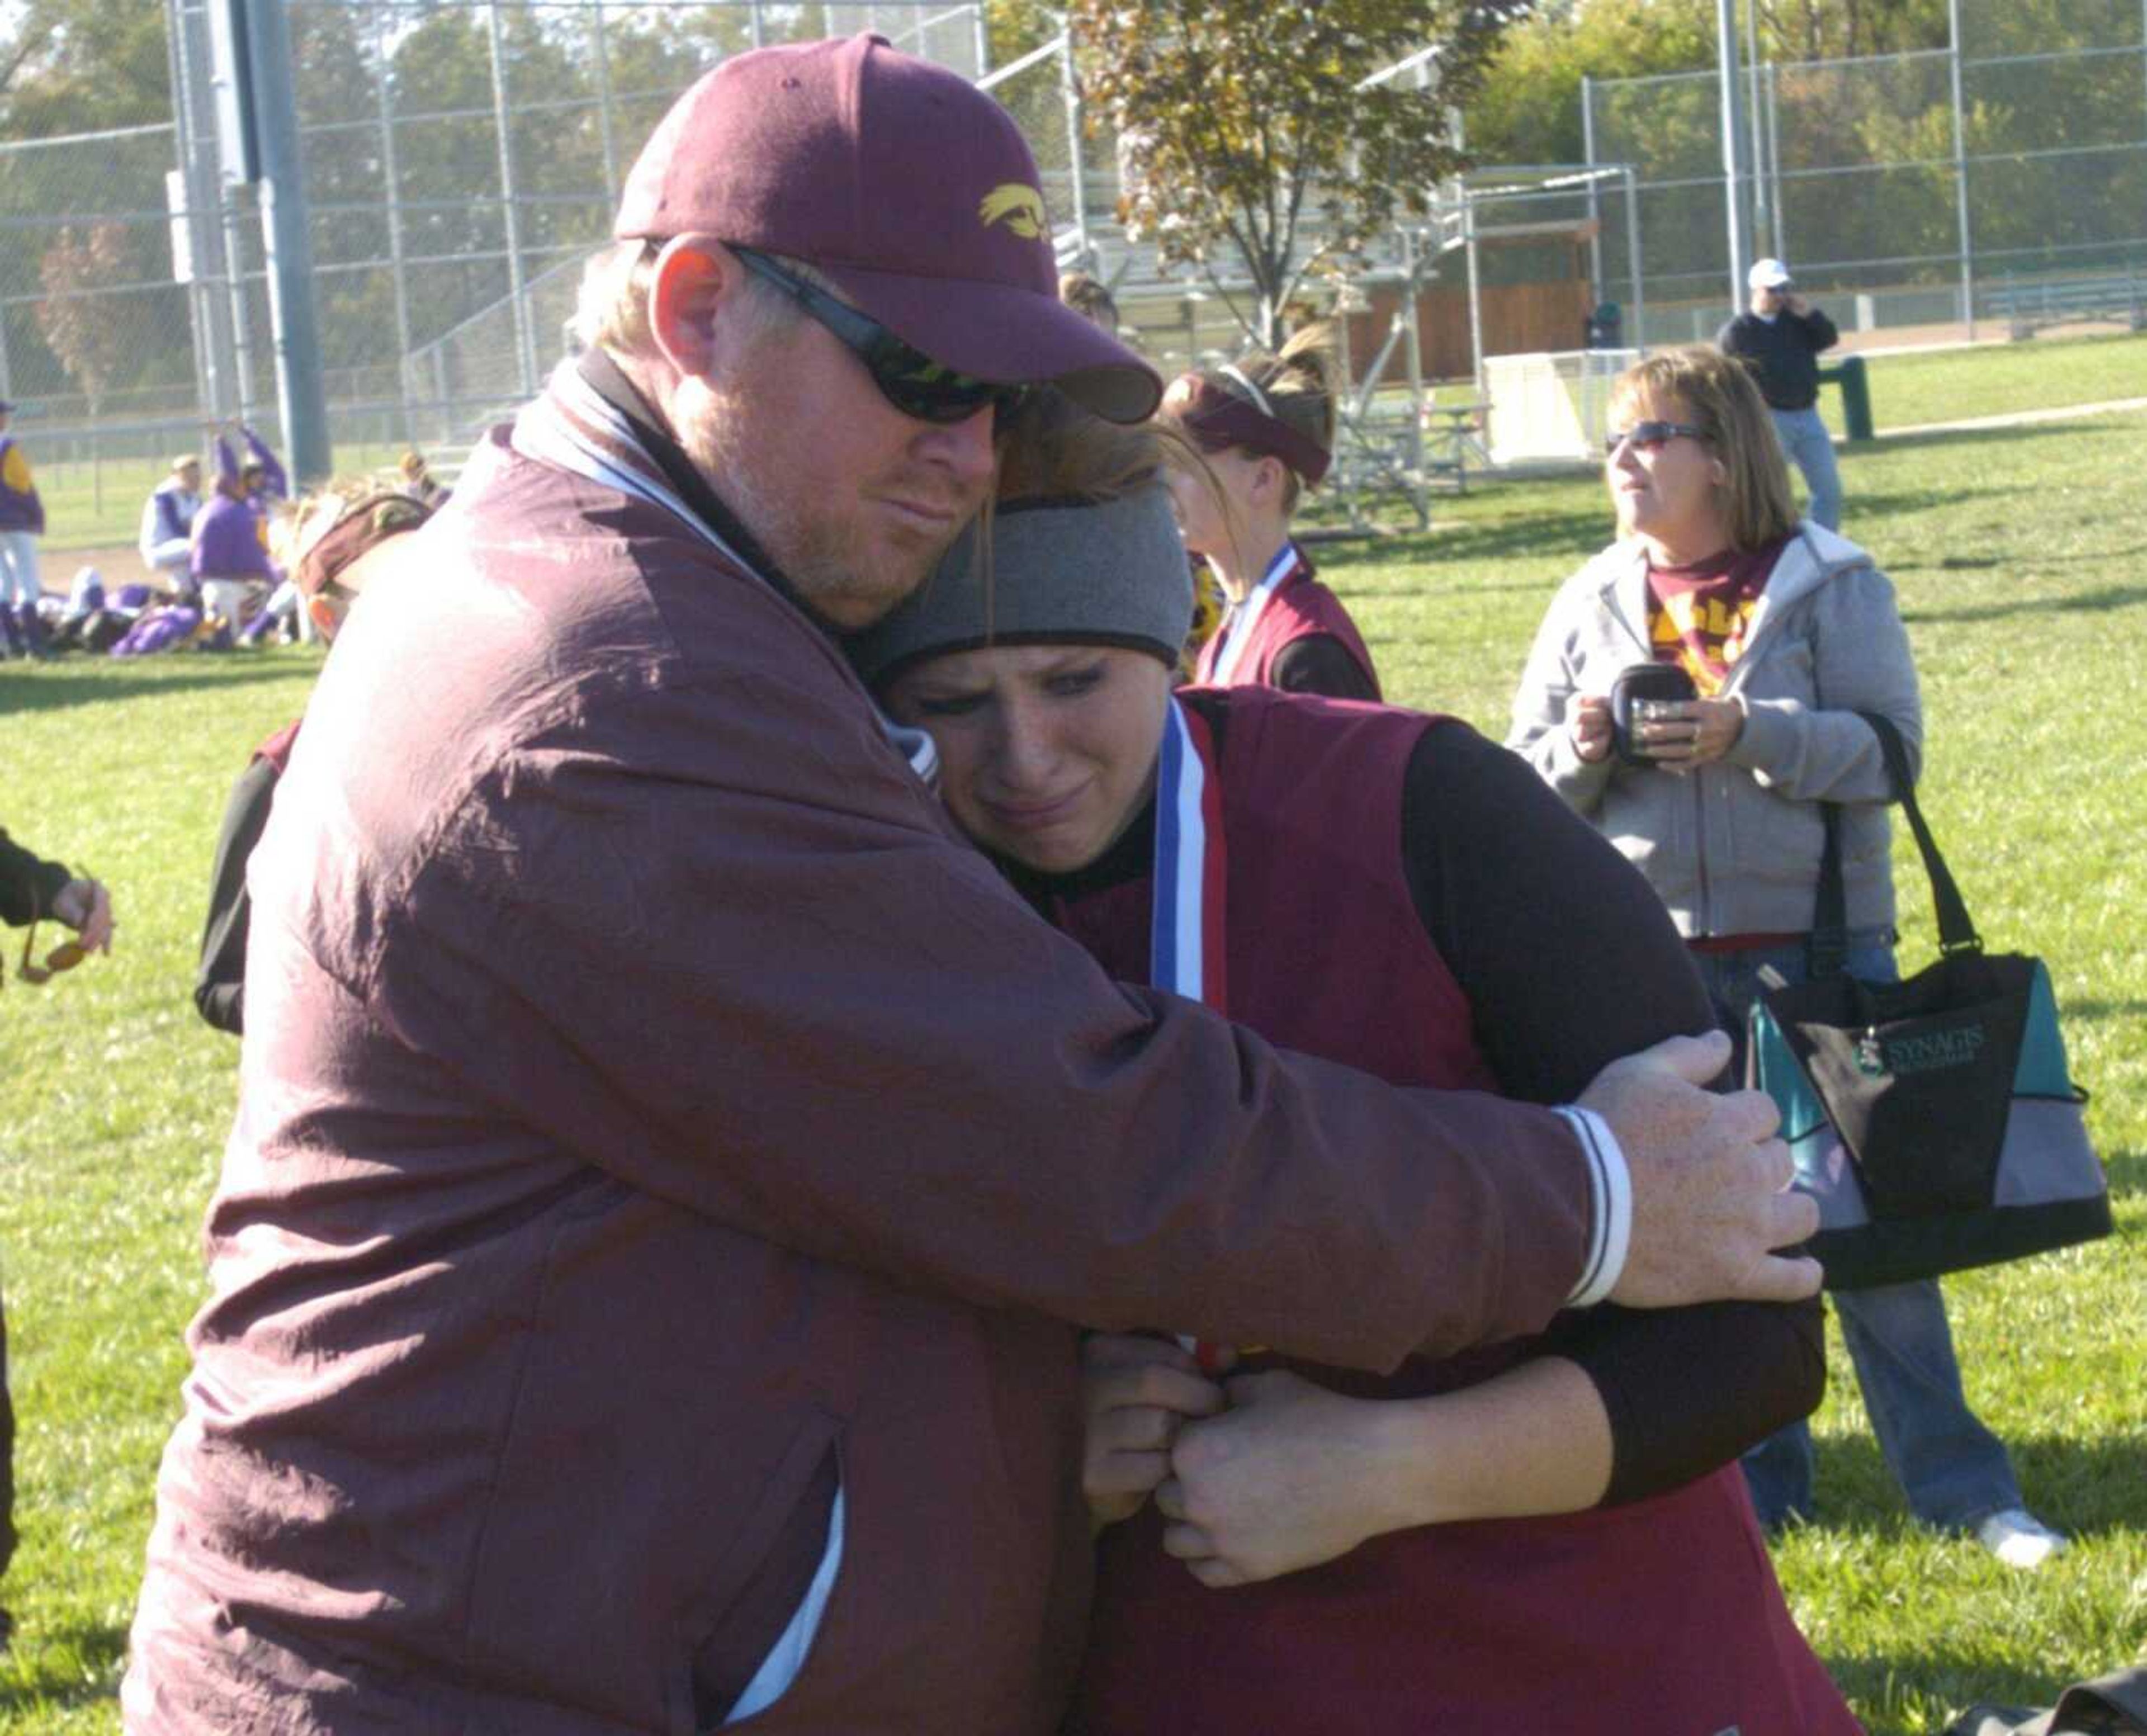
[(2017, 1537)]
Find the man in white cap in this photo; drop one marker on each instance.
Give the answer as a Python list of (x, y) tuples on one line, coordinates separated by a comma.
[(669, 1161), (1780, 336)]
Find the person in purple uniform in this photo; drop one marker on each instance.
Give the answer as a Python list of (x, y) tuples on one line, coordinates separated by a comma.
[(227, 560), (22, 522), (165, 541)]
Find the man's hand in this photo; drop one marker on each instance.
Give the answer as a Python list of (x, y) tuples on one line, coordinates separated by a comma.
[(1710, 1198), (1136, 1394), (1292, 1475), (86, 906)]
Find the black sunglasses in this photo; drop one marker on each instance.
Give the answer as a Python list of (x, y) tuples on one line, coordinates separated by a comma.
[(907, 378), (1649, 435)]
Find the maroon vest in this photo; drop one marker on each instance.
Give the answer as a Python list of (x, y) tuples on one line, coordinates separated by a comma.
[(1301, 608), (20, 510), (1661, 1615)]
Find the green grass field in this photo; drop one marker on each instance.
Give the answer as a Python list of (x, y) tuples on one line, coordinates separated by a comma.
[(98, 508), (2021, 559)]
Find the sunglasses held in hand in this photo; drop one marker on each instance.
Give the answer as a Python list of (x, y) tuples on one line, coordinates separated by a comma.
[(64, 957), (907, 378)]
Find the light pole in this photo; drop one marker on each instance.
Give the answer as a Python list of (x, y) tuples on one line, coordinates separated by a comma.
[(1733, 143)]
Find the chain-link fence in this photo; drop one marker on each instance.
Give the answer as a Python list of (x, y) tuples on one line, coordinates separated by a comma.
[(1948, 189), (94, 337), (462, 161), (461, 157)]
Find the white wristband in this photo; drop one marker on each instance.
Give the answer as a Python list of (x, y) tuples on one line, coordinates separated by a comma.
[(1610, 1202)]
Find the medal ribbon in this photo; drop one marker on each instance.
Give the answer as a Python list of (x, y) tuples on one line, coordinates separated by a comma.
[(1186, 915), (1238, 631)]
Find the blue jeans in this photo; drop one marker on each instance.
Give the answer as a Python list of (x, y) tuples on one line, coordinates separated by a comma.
[(1953, 1471), (1810, 448)]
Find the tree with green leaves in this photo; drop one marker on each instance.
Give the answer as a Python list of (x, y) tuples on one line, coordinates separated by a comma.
[(1249, 138)]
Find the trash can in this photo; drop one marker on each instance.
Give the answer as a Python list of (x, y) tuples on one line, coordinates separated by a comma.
[(1849, 373)]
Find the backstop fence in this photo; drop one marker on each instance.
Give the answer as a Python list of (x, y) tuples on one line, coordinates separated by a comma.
[(1952, 188), (461, 160), (461, 157)]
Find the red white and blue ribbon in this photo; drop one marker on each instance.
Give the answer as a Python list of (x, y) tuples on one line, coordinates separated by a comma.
[(1185, 930), (1237, 630), (1185, 919)]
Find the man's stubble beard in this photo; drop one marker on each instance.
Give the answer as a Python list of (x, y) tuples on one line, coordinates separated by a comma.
[(824, 558)]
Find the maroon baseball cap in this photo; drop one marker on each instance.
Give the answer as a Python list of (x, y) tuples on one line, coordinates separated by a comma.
[(909, 189)]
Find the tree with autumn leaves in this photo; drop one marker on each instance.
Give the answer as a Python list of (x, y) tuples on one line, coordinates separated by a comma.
[(91, 344), (1251, 147)]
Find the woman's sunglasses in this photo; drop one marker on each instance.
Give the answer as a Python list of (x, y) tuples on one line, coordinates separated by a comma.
[(907, 378), (1648, 435)]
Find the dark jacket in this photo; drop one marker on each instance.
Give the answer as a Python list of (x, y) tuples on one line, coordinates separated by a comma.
[(220, 978), (651, 1111), (1783, 353), (28, 883)]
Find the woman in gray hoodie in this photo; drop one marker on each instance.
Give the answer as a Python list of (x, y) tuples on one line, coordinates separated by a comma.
[(1787, 631)]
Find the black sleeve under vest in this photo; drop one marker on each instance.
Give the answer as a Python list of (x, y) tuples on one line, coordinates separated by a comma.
[(220, 978), (1569, 961), (1320, 663), (28, 883)]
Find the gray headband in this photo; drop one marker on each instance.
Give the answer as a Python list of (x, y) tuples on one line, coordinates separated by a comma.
[(1112, 572)]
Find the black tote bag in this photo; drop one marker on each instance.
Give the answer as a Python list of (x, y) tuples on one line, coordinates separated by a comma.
[(1934, 1120)]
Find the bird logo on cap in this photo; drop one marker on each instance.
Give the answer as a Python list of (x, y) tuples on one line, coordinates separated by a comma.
[(1017, 205)]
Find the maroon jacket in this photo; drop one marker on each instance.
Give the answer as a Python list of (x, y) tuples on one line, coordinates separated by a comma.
[(1660, 1616), (650, 1111), (1301, 608)]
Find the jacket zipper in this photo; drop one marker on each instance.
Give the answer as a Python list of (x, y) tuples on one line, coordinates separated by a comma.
[(1699, 852)]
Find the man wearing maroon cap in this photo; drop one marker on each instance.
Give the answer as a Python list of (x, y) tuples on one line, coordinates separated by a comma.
[(666, 1157)]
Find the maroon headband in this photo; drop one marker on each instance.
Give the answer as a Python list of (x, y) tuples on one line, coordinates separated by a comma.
[(1217, 418), (362, 527)]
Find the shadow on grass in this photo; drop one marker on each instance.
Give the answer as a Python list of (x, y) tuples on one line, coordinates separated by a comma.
[(1874, 502), (85, 1662), (1958, 1680), (2127, 1171), (1986, 562), (2107, 426), (2083, 1488), (2093, 1007), (59, 687), (1544, 534), (2110, 597)]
